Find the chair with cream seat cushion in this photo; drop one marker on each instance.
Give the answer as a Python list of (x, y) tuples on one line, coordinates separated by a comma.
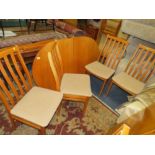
[(38, 105), (108, 60), (77, 84), (31, 105), (138, 71), (100, 70), (75, 87), (128, 83)]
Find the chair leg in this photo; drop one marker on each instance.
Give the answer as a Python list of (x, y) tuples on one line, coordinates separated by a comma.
[(12, 122), (109, 88), (35, 25), (28, 26), (102, 87), (1, 25), (42, 131), (86, 72), (85, 106), (20, 24), (53, 25), (59, 108)]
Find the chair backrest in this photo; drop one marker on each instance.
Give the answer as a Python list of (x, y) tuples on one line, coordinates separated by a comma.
[(56, 64), (113, 51), (111, 26), (142, 63), (122, 130), (15, 79)]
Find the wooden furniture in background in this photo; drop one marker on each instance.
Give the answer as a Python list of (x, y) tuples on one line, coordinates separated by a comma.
[(75, 87), (29, 51), (72, 22), (25, 103), (75, 52), (92, 31), (139, 69), (124, 129), (35, 23), (4, 25), (108, 60), (110, 26)]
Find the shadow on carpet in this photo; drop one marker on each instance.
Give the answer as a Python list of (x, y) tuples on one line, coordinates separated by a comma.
[(115, 98)]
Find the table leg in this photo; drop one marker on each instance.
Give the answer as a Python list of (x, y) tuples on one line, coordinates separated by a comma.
[(1, 25)]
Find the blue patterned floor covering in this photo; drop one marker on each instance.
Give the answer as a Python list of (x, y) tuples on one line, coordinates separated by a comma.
[(115, 98)]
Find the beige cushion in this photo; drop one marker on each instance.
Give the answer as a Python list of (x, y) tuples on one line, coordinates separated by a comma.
[(76, 84), (99, 70), (38, 106), (128, 83)]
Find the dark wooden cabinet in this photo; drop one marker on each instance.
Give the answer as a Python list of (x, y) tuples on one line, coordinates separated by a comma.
[(92, 31)]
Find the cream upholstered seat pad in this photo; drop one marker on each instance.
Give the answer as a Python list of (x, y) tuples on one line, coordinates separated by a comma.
[(100, 70), (38, 106), (76, 84), (128, 83)]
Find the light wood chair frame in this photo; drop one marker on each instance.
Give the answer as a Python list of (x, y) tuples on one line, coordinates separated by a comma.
[(118, 46), (110, 29), (140, 66), (124, 129), (23, 86), (56, 65)]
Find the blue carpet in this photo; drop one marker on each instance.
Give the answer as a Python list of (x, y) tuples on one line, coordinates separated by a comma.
[(115, 98)]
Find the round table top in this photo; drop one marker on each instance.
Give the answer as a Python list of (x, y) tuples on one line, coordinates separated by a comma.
[(75, 52)]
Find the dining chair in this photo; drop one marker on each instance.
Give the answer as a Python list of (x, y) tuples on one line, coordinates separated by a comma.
[(75, 87), (108, 60), (31, 105), (139, 69), (35, 22), (111, 26), (124, 129)]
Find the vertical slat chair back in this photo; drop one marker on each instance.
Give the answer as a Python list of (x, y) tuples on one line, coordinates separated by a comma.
[(56, 64), (142, 64), (123, 130), (15, 79), (113, 50)]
